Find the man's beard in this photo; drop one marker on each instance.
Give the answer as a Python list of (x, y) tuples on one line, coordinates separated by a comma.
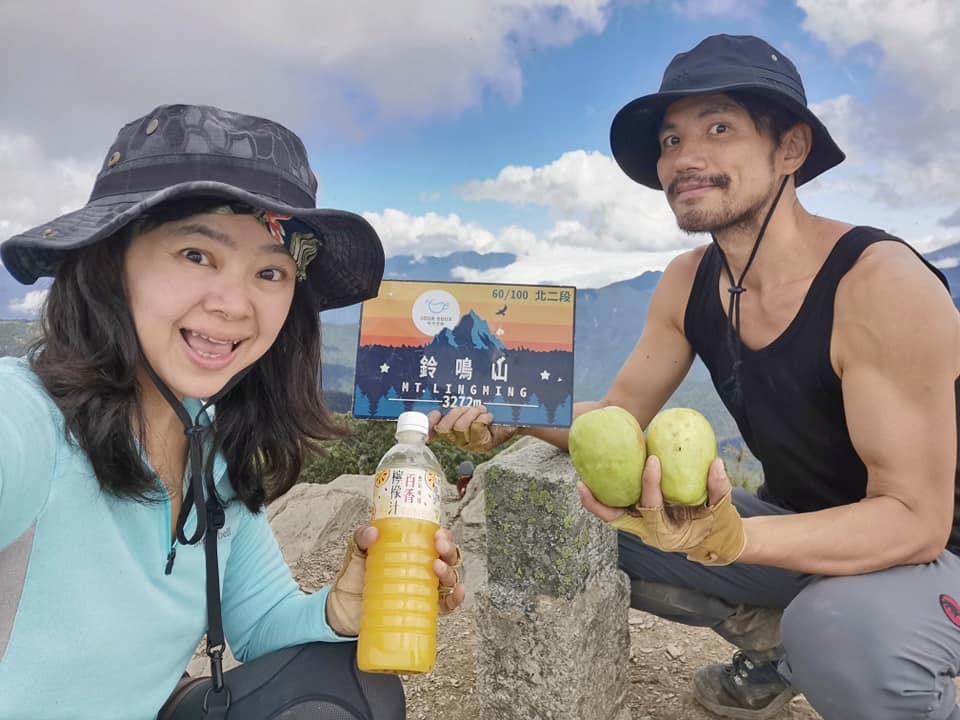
[(724, 218)]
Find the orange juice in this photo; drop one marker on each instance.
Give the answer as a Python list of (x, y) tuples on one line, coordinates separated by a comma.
[(398, 623), (398, 627)]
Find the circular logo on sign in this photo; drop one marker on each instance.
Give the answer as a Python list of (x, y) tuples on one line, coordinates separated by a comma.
[(435, 310)]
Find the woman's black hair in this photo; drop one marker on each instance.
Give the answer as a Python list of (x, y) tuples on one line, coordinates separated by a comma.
[(88, 358)]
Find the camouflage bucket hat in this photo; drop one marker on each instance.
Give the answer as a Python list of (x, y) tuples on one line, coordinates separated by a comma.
[(180, 151)]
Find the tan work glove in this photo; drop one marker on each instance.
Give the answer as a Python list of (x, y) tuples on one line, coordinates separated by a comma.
[(709, 535), (470, 428), (345, 600)]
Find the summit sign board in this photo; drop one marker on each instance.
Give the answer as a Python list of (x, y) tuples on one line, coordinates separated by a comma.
[(437, 345)]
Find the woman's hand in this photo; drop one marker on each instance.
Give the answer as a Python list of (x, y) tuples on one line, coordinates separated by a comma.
[(345, 600)]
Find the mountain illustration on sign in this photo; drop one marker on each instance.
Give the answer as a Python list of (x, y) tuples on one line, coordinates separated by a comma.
[(466, 362), (471, 332)]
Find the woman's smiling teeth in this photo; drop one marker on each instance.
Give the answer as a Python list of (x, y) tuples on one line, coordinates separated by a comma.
[(208, 347)]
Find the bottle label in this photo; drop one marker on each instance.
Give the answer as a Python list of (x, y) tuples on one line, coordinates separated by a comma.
[(407, 492)]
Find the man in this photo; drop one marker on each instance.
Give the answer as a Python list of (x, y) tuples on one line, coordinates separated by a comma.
[(464, 476), (837, 350)]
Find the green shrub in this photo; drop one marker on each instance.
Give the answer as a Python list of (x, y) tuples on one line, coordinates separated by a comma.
[(361, 450)]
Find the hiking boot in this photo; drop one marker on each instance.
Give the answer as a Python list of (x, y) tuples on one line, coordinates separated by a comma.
[(742, 689)]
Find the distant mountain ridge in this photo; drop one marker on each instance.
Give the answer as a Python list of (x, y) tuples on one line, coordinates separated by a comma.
[(947, 261), (410, 267), (608, 322)]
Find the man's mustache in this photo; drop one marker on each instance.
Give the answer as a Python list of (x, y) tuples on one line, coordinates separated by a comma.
[(720, 181)]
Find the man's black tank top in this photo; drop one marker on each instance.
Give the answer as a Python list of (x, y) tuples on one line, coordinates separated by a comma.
[(786, 398)]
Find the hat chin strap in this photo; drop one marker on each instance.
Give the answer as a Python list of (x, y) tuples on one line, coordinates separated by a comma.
[(200, 473), (736, 289), (210, 518)]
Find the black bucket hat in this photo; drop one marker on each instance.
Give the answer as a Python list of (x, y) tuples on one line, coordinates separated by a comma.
[(718, 64), (180, 151)]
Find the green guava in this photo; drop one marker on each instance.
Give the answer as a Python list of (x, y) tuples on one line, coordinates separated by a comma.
[(685, 443), (608, 451)]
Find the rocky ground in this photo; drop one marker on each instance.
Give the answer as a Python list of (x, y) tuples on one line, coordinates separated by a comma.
[(664, 657)]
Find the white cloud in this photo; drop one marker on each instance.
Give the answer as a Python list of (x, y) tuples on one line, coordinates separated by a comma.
[(595, 204), (951, 220), (430, 234), (76, 72), (918, 38), (841, 115), (35, 187), (698, 9), (73, 65), (605, 227), (573, 266), (909, 131), (30, 303), (925, 240), (567, 254)]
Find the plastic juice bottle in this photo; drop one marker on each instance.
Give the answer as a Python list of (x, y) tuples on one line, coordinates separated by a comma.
[(398, 624)]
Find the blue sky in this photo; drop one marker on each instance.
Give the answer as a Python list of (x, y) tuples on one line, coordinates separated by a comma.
[(481, 124)]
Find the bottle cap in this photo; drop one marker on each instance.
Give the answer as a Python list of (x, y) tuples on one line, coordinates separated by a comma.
[(413, 421)]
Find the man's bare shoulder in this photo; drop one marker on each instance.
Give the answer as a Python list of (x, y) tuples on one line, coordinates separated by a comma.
[(887, 269), (891, 298), (681, 271), (669, 301)]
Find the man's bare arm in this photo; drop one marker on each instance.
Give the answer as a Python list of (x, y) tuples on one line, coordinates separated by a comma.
[(896, 344), (655, 367)]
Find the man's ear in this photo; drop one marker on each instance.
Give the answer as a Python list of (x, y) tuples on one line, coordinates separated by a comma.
[(795, 147)]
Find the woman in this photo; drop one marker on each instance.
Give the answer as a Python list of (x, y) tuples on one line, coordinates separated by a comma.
[(190, 282)]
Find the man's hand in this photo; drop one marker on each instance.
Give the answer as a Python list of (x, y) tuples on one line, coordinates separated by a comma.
[(470, 428), (710, 534)]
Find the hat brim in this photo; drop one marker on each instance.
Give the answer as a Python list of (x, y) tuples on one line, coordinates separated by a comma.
[(634, 131), (348, 267)]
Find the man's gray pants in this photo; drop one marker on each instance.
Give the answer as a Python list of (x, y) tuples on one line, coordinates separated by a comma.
[(879, 646)]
